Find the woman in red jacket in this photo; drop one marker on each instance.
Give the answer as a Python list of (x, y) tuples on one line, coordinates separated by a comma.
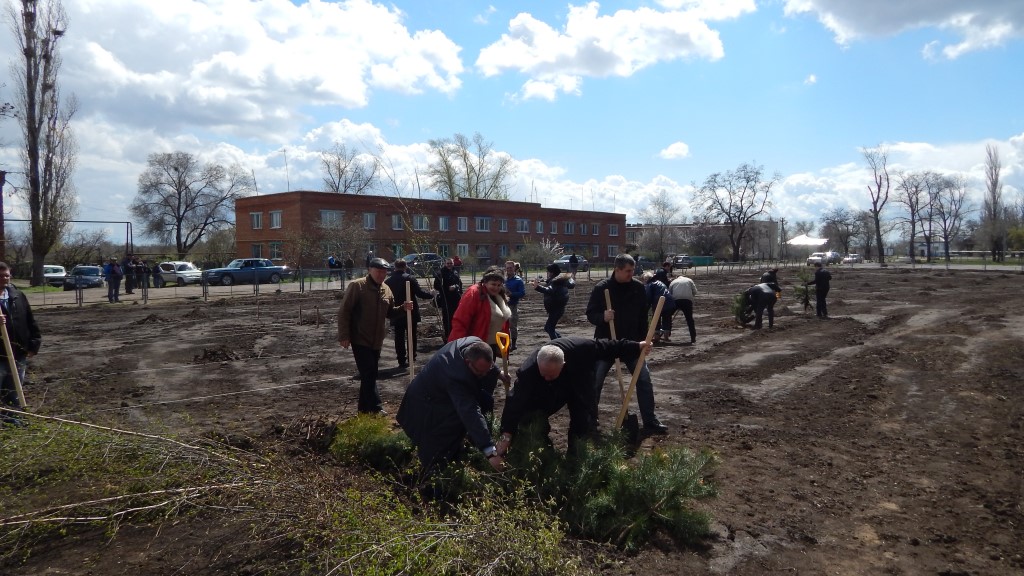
[(483, 309)]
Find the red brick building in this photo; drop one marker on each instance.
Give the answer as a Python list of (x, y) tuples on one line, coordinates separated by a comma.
[(481, 231)]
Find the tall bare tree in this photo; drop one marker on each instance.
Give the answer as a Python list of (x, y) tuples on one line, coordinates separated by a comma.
[(181, 200), (464, 168), (704, 239), (50, 151), (951, 209), (734, 198), (911, 193), (867, 234), (660, 217), (348, 172), (992, 224), (878, 161)]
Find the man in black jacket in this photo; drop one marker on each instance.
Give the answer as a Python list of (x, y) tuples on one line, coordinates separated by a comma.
[(400, 324), (629, 313), (822, 279), (448, 286), (25, 342), (561, 373), (447, 400)]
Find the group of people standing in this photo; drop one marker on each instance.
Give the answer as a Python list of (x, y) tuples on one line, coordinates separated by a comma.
[(132, 269)]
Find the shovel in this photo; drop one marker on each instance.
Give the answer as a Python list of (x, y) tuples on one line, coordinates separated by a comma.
[(611, 326), (504, 341), (13, 364), (408, 331), (640, 361)]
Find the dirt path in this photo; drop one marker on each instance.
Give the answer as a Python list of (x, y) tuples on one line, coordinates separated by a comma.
[(887, 440)]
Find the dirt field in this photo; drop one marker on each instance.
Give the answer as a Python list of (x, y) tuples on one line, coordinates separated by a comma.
[(886, 440)]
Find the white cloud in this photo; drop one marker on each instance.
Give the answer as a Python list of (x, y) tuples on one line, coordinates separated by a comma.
[(675, 150), (980, 24), (811, 80), (484, 18), (594, 45)]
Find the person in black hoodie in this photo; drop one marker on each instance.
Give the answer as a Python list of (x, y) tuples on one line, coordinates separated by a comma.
[(25, 340), (400, 324), (822, 279), (556, 297), (448, 287)]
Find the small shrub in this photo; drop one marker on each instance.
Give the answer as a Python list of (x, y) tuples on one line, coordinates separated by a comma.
[(368, 438)]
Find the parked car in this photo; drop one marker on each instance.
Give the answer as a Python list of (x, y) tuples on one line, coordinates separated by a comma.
[(54, 275), (853, 259), (824, 258), (83, 276), (681, 262), (177, 272), (247, 271), (424, 263), (563, 263), (645, 263)]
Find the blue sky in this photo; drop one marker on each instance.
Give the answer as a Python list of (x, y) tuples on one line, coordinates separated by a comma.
[(601, 104)]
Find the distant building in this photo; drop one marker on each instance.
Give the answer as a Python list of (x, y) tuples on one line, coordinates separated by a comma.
[(277, 226), (760, 239)]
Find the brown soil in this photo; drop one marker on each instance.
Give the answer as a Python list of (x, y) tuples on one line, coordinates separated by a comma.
[(888, 439)]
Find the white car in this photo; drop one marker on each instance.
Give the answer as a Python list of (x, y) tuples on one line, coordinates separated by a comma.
[(176, 272), (853, 259), (54, 275), (824, 258)]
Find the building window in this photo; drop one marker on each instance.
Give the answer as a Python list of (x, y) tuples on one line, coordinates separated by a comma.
[(462, 222), (369, 220), (483, 252), (502, 224), (570, 227), (275, 219), (596, 227), (443, 250), (540, 227), (444, 223), (483, 224), (503, 250), (256, 219), (256, 251), (583, 228), (396, 249), (613, 229), (520, 247), (595, 251), (396, 222), (421, 222), (276, 249), (331, 218), (613, 250), (522, 225), (462, 250), (554, 227)]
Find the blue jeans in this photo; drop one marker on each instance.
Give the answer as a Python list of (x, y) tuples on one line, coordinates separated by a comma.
[(114, 289), (8, 393), (644, 388)]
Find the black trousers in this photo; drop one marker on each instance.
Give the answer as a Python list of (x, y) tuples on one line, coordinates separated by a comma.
[(820, 306), (367, 360), (687, 307), (402, 341)]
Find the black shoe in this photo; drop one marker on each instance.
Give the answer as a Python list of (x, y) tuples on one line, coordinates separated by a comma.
[(655, 427), (403, 364)]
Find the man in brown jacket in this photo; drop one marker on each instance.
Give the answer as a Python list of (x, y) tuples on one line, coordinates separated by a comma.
[(362, 324)]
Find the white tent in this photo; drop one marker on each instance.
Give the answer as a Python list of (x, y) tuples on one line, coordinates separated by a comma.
[(805, 240)]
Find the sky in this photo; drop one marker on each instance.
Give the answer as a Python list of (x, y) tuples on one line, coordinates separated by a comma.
[(601, 105)]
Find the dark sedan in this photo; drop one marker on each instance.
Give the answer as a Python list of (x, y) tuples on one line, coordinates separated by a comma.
[(84, 277), (247, 271)]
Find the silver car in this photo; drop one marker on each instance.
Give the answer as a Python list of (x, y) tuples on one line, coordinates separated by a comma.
[(177, 272)]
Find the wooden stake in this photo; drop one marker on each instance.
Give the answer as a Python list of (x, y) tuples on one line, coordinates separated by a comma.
[(618, 363), (640, 361), (409, 328)]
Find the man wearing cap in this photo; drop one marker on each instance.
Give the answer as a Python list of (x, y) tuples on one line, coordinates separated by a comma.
[(400, 324), (362, 324)]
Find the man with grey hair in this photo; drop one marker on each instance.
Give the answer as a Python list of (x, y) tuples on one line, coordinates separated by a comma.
[(561, 373), (447, 401)]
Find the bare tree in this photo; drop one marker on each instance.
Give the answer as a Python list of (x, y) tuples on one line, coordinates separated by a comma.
[(912, 195), (660, 217), (734, 198), (867, 234), (992, 224), (843, 225), (950, 209), (49, 151), (181, 200), (80, 247), (347, 172), (469, 169), (878, 160), (705, 239)]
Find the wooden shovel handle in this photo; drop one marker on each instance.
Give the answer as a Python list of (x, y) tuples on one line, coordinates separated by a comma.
[(640, 361)]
